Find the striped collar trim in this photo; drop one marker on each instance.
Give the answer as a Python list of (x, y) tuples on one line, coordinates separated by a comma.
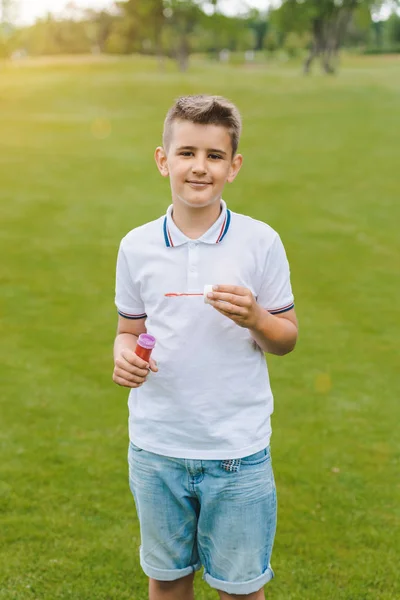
[(225, 226), (174, 237), (167, 236)]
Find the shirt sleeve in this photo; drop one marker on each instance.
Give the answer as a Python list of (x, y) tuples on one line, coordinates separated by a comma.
[(275, 291), (127, 295)]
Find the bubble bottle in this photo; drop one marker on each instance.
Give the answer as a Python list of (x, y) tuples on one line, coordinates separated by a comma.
[(144, 346)]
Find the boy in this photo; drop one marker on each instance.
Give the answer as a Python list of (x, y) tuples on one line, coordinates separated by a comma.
[(199, 427)]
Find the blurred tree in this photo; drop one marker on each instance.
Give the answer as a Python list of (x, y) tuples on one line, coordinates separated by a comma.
[(121, 39), (99, 26), (271, 42), (182, 17), (360, 28), (219, 32), (215, 30), (8, 15), (214, 4), (49, 36), (327, 20), (377, 34), (258, 23), (393, 30), (147, 20), (296, 43), (9, 11), (181, 27)]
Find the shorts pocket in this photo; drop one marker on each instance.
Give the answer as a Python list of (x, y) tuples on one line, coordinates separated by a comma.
[(257, 458), (135, 448)]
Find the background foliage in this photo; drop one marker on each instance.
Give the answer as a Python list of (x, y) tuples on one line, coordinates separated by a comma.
[(178, 28)]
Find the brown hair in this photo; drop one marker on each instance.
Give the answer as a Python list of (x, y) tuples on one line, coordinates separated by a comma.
[(205, 110)]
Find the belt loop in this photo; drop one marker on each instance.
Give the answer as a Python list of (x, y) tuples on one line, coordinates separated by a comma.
[(232, 465)]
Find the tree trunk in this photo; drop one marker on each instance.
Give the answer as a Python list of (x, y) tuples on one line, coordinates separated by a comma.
[(160, 60), (159, 50), (183, 54), (310, 58), (327, 62), (328, 36), (316, 46)]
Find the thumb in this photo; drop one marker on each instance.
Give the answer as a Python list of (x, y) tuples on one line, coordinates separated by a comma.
[(153, 365)]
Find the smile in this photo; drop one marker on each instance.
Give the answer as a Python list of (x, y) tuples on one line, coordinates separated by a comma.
[(198, 184)]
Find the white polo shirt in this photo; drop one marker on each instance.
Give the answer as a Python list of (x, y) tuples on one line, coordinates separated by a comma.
[(211, 398)]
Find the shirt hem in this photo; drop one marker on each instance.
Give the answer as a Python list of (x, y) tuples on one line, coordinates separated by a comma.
[(203, 454)]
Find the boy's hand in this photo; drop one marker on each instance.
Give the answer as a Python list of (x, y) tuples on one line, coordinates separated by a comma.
[(237, 303), (130, 370)]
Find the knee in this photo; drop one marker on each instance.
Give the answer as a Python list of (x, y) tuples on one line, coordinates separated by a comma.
[(166, 586)]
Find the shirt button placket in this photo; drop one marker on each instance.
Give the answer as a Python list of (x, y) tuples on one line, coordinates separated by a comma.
[(193, 261)]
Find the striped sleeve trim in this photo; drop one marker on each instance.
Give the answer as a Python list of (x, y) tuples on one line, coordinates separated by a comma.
[(276, 311), (130, 316)]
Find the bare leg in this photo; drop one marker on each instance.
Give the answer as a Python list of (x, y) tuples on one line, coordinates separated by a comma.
[(254, 596), (180, 589)]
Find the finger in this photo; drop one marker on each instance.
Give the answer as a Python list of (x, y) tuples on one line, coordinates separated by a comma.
[(132, 377), (124, 365), (133, 359), (229, 309), (238, 290), (231, 298), (153, 366), (124, 382), (235, 318), (128, 377)]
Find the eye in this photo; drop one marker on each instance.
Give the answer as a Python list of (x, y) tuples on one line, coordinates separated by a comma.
[(186, 153), (215, 156)]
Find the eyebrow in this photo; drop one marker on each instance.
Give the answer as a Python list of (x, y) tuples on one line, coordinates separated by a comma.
[(215, 150)]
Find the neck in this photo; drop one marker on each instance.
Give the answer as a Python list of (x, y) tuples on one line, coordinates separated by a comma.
[(193, 222)]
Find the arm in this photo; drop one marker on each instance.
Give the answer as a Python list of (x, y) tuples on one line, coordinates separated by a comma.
[(276, 334), (128, 331), (130, 370)]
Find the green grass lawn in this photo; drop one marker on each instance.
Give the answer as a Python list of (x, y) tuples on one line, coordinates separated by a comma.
[(76, 173)]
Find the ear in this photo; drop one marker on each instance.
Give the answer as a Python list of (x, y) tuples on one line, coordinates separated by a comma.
[(235, 167), (161, 160)]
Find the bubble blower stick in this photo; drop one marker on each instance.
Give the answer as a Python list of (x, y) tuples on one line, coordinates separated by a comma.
[(144, 346), (207, 290), (176, 294)]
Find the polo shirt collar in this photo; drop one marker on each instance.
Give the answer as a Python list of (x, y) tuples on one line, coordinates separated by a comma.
[(173, 236)]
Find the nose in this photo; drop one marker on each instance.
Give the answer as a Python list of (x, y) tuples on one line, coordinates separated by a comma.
[(199, 165)]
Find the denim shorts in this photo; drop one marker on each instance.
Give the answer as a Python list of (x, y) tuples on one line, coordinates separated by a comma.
[(216, 514)]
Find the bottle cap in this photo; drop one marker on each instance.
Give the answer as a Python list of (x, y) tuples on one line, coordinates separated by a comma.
[(146, 341)]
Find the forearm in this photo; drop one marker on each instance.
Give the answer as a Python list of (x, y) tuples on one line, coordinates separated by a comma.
[(273, 334), (124, 340)]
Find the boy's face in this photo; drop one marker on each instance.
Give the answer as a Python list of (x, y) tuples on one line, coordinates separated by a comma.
[(198, 162)]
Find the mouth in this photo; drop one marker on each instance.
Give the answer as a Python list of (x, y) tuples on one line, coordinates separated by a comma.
[(198, 185)]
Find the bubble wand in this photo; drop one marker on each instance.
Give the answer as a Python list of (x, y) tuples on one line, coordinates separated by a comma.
[(207, 290)]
